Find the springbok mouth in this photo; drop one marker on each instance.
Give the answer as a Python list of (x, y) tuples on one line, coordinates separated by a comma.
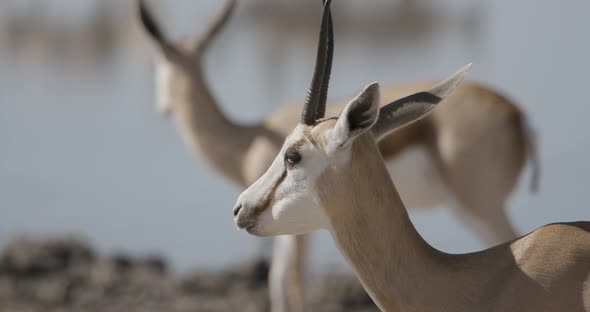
[(244, 224), (249, 228)]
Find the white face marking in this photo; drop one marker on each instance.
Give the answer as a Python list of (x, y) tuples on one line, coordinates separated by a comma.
[(163, 85), (293, 208), (285, 199)]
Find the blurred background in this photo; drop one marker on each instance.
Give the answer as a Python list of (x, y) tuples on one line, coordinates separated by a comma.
[(83, 151)]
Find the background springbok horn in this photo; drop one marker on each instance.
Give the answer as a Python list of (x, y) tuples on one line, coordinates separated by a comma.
[(150, 25), (310, 106), (204, 41)]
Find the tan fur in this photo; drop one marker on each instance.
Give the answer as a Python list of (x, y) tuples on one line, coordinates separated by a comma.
[(243, 152), (546, 270)]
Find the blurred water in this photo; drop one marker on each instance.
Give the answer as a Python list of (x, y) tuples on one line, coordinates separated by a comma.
[(82, 149)]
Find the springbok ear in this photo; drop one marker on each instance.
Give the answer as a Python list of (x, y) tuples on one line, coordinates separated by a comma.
[(358, 116), (150, 25), (415, 106)]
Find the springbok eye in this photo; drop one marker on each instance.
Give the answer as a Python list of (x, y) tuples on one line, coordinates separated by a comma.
[(292, 157)]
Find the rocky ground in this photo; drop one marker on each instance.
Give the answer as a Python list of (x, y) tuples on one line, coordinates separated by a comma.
[(67, 275)]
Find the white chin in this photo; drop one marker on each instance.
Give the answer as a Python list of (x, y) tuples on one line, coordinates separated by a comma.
[(257, 230), (275, 230)]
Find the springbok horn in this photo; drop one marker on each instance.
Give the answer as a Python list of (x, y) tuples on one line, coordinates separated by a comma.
[(327, 71), (313, 95)]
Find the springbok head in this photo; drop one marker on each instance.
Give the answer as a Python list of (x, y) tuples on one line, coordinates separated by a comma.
[(178, 63), (285, 200)]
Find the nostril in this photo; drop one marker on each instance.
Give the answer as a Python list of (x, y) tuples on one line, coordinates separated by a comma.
[(237, 209)]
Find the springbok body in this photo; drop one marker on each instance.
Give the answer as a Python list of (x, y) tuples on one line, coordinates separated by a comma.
[(330, 174), (473, 172)]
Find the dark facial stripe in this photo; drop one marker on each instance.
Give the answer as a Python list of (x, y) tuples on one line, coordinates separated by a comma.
[(270, 197), (269, 200)]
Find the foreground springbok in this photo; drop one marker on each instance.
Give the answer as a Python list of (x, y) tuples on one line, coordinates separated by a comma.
[(472, 171), (329, 174)]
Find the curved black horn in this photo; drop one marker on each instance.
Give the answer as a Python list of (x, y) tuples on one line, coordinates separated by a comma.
[(313, 95), (327, 71), (149, 23)]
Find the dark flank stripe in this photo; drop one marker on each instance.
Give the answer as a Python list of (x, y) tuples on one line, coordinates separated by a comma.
[(270, 198)]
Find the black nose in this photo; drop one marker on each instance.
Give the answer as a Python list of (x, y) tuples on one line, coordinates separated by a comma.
[(237, 209)]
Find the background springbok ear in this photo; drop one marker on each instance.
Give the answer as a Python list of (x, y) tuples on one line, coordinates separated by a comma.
[(415, 106), (358, 116)]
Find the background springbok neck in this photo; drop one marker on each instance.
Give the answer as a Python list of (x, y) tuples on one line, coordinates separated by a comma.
[(456, 166)]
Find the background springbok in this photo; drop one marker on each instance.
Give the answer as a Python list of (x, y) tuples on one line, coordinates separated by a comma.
[(474, 172), (330, 175)]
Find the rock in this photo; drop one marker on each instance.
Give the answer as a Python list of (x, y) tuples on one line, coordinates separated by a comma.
[(66, 275), (28, 258)]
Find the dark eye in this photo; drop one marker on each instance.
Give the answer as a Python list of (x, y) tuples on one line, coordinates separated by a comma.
[(292, 157)]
